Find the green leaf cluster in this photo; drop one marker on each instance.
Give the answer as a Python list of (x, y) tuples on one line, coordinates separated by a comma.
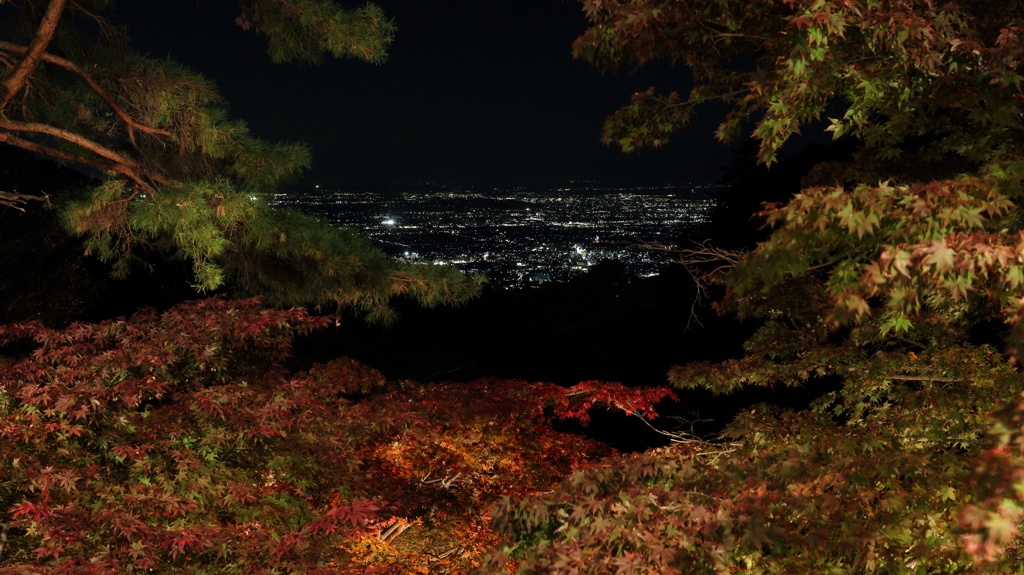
[(181, 176), (908, 69)]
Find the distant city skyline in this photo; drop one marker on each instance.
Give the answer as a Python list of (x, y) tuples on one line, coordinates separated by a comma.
[(519, 237)]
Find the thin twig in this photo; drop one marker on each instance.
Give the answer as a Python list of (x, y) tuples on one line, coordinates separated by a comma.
[(15, 200), (692, 259)]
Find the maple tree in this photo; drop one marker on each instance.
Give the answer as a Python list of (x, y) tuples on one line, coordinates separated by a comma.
[(178, 174), (178, 442), (892, 282)]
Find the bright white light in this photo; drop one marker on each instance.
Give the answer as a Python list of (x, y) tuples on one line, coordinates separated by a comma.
[(388, 222)]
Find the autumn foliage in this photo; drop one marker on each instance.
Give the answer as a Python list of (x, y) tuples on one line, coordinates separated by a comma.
[(891, 284), (178, 442)]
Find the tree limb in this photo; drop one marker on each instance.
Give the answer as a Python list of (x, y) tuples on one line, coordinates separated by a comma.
[(93, 85), (121, 164), (397, 528), (16, 80), (64, 155), (67, 136), (440, 556)]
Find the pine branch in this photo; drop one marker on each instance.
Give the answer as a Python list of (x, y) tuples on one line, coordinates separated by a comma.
[(94, 86), (62, 154), (121, 164), (19, 76)]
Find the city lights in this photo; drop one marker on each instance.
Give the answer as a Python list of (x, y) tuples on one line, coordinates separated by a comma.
[(517, 236)]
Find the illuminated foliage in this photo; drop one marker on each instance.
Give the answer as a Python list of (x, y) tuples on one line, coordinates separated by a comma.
[(893, 283), (182, 177), (900, 68), (178, 443)]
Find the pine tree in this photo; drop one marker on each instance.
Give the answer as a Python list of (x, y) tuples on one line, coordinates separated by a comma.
[(179, 175), (893, 283)]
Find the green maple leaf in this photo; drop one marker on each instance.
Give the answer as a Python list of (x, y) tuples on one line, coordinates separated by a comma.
[(1000, 529), (941, 256)]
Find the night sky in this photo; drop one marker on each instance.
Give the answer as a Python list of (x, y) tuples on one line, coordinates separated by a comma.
[(473, 91)]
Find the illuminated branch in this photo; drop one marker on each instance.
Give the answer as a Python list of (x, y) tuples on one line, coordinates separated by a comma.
[(67, 136), (16, 80), (442, 555), (397, 528), (120, 163), (93, 162), (70, 66), (444, 482), (707, 448), (14, 200), (64, 155)]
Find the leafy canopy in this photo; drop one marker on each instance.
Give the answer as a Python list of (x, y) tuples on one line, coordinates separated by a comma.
[(178, 174), (892, 282)]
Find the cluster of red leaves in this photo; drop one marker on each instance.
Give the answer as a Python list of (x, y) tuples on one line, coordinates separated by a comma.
[(178, 441), (170, 439)]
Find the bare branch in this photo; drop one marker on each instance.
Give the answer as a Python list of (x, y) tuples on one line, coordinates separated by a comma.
[(16, 80), (68, 136), (693, 260), (56, 153), (112, 34), (444, 482), (14, 199)]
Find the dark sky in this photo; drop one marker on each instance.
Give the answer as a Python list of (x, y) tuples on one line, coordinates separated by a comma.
[(472, 91)]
